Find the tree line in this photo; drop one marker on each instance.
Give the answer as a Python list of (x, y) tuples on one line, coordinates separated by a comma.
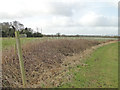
[(7, 30)]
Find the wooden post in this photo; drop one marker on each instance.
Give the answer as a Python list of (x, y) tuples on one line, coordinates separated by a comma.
[(19, 50), (15, 48)]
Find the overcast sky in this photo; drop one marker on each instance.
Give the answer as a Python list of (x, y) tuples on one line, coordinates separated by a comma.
[(98, 17)]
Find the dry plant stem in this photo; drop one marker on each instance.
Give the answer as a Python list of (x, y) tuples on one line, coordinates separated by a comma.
[(19, 50)]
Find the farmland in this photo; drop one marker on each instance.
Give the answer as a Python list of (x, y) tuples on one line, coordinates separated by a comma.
[(10, 42), (61, 62)]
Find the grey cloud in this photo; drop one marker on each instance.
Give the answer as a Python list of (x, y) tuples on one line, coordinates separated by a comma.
[(100, 21), (54, 8), (4, 15), (106, 21), (62, 9), (23, 14)]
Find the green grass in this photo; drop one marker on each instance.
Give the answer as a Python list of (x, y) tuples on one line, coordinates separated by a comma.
[(9, 42), (101, 70)]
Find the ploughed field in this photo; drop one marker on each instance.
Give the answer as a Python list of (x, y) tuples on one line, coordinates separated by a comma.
[(43, 62)]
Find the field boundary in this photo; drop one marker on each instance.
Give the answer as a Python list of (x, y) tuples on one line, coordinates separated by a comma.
[(77, 59)]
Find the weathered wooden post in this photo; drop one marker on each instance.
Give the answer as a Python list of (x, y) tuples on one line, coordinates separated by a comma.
[(19, 51)]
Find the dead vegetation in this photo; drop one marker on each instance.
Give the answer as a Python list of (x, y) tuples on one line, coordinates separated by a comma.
[(43, 61)]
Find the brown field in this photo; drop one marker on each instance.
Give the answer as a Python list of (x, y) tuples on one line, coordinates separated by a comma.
[(43, 62)]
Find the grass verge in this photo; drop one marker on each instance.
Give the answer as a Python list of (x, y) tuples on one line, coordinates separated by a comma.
[(99, 71)]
